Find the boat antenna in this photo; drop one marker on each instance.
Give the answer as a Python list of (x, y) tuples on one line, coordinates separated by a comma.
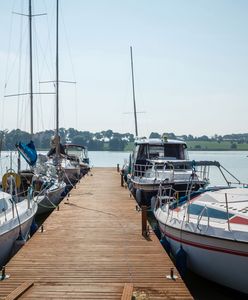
[(31, 69), (134, 104)]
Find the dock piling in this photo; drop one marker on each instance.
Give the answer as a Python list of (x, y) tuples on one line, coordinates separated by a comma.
[(145, 232)]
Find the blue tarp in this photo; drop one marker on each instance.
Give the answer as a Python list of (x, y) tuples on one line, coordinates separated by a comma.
[(28, 152)]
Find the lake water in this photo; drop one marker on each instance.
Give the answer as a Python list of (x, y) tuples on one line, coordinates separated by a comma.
[(235, 162)]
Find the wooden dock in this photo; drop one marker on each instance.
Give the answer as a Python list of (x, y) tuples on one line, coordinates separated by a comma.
[(92, 248)]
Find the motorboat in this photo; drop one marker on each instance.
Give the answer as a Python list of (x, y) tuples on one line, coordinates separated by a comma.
[(207, 232), (71, 170), (15, 218), (161, 161), (78, 153)]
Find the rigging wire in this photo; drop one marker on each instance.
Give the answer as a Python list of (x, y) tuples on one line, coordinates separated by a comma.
[(7, 68), (9, 47)]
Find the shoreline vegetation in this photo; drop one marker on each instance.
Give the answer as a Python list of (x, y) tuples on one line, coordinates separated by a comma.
[(114, 141)]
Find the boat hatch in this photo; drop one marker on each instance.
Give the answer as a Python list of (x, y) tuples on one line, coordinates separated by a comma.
[(196, 209)]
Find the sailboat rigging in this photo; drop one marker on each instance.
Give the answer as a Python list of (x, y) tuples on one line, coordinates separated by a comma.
[(15, 216), (69, 165)]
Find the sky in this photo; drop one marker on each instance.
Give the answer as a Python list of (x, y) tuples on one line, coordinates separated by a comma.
[(190, 65)]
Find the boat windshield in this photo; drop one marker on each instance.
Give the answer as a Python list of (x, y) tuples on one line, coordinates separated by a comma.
[(168, 151)]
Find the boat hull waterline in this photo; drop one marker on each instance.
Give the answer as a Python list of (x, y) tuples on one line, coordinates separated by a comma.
[(220, 260)]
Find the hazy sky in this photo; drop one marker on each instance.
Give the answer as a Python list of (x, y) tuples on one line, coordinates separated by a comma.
[(190, 65)]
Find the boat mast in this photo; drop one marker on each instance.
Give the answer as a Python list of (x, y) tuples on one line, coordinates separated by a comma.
[(31, 69), (57, 81), (134, 104)]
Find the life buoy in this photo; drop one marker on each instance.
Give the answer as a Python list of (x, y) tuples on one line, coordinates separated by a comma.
[(16, 177)]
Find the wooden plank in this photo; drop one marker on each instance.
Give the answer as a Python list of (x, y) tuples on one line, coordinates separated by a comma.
[(127, 293), (20, 290)]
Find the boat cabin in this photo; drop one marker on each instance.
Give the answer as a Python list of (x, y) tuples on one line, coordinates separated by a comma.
[(74, 150), (150, 149)]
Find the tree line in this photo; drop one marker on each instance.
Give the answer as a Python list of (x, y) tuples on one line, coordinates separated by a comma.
[(103, 140), (99, 141)]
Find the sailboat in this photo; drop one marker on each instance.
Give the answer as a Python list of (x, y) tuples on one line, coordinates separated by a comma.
[(17, 211), (70, 168), (46, 188), (15, 220), (207, 232)]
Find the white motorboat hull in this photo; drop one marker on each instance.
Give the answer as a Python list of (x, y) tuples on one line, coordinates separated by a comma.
[(220, 260)]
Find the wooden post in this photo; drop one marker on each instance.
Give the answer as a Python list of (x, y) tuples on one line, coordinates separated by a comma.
[(144, 220), (118, 168)]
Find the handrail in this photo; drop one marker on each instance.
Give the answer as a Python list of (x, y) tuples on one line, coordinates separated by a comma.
[(227, 211), (200, 217)]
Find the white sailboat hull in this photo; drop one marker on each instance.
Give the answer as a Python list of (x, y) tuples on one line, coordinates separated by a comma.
[(50, 200), (72, 175), (10, 228), (220, 260)]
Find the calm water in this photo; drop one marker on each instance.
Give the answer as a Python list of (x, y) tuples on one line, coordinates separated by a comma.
[(235, 162)]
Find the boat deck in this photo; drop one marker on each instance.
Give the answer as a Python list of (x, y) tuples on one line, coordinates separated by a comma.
[(92, 248)]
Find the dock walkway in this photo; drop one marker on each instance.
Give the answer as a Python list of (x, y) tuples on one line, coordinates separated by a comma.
[(92, 248)]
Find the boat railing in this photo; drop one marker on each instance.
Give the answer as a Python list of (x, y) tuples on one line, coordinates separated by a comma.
[(199, 218), (152, 169), (227, 212), (155, 170)]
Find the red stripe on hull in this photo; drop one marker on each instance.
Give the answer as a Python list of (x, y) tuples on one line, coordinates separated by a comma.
[(206, 247)]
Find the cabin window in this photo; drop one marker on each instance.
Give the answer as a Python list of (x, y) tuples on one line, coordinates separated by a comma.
[(156, 151), (142, 153)]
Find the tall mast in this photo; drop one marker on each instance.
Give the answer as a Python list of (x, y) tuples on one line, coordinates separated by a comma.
[(134, 104), (57, 80), (31, 69)]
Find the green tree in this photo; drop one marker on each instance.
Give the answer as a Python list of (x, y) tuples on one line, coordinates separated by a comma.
[(79, 139)]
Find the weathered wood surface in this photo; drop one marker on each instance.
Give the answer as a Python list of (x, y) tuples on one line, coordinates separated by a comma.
[(92, 248)]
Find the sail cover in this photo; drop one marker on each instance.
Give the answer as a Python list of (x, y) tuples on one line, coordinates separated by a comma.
[(28, 152)]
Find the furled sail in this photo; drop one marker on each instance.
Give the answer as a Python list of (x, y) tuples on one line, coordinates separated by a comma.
[(28, 152)]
